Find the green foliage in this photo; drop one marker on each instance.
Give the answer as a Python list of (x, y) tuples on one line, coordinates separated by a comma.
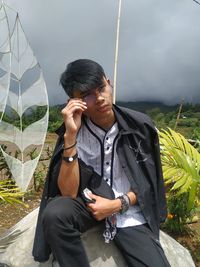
[(38, 178), (4, 169), (9, 193), (181, 164), (181, 171), (40, 173), (178, 213), (196, 136), (30, 116), (55, 118), (165, 116), (54, 126), (33, 153)]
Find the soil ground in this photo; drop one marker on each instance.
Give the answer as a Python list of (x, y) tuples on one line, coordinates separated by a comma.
[(11, 214)]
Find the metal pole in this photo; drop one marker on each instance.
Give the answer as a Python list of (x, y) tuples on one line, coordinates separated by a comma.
[(116, 52)]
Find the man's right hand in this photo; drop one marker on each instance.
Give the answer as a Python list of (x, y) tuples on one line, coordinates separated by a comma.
[(72, 114), (68, 179)]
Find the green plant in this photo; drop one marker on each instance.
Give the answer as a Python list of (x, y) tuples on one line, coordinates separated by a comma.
[(38, 178), (178, 213), (181, 171), (9, 193), (181, 165), (4, 169)]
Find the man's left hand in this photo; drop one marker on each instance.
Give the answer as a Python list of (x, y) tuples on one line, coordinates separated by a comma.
[(103, 207)]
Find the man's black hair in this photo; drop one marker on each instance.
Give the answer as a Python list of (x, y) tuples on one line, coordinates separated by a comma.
[(83, 75)]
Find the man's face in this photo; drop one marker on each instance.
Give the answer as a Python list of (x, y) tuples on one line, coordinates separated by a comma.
[(98, 100)]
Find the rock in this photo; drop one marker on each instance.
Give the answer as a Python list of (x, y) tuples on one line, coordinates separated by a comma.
[(18, 253)]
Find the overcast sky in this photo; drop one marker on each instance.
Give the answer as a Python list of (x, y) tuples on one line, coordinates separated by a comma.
[(159, 49)]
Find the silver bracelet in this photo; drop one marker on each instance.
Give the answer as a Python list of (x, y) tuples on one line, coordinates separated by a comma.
[(125, 203)]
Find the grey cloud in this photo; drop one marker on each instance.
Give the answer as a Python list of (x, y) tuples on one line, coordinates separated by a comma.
[(159, 56)]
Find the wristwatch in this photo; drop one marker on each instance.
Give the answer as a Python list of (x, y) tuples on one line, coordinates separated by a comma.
[(125, 203), (70, 159)]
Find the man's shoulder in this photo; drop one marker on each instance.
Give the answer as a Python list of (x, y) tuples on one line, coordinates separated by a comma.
[(136, 116)]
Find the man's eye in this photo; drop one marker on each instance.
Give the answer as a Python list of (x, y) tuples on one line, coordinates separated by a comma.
[(102, 88), (85, 95)]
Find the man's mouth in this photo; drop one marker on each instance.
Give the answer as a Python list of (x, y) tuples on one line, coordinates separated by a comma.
[(103, 108)]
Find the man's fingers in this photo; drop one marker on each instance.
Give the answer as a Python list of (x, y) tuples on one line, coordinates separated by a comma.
[(76, 101), (92, 195), (73, 108)]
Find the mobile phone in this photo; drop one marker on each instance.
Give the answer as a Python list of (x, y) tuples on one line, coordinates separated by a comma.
[(86, 196)]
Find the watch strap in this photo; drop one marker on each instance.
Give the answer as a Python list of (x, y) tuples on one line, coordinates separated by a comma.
[(70, 159)]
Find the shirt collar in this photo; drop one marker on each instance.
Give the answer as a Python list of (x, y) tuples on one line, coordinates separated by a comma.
[(113, 131)]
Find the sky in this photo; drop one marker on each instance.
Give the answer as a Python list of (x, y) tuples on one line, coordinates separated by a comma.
[(159, 44)]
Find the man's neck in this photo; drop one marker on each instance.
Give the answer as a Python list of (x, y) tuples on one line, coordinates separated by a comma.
[(105, 122)]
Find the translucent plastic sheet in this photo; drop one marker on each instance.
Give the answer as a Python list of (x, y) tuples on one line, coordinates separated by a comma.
[(23, 100), (5, 58)]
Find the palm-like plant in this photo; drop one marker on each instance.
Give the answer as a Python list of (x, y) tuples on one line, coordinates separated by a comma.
[(9, 193), (181, 165)]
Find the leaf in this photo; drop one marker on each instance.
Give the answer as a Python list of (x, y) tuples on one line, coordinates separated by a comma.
[(10, 193), (192, 196), (180, 162), (181, 181)]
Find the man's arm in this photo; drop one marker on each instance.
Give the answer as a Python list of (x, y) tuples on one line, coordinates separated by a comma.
[(69, 176), (104, 207)]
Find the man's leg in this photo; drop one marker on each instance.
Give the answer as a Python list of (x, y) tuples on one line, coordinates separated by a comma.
[(64, 219), (140, 248)]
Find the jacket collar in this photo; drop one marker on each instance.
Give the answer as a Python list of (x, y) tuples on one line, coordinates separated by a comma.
[(122, 119)]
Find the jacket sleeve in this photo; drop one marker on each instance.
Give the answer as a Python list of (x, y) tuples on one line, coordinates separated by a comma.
[(160, 182)]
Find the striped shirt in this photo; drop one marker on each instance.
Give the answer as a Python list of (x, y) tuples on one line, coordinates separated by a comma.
[(97, 148)]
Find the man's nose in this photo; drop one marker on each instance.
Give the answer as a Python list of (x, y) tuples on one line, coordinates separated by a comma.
[(99, 96)]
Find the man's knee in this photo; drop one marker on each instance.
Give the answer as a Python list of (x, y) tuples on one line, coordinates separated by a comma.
[(59, 210)]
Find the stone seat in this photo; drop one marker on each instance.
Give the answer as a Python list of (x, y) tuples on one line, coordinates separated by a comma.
[(18, 253)]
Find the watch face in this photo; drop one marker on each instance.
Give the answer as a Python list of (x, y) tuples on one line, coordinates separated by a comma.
[(70, 159)]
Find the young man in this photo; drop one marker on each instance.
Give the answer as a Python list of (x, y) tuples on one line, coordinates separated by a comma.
[(100, 146)]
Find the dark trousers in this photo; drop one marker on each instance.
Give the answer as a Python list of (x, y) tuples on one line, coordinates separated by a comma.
[(64, 220)]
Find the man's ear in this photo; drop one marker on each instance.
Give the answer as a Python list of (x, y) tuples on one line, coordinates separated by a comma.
[(108, 81)]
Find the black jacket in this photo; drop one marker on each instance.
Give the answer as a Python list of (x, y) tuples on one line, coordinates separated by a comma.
[(139, 154)]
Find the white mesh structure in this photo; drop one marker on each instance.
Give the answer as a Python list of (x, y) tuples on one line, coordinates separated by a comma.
[(5, 58), (23, 95)]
